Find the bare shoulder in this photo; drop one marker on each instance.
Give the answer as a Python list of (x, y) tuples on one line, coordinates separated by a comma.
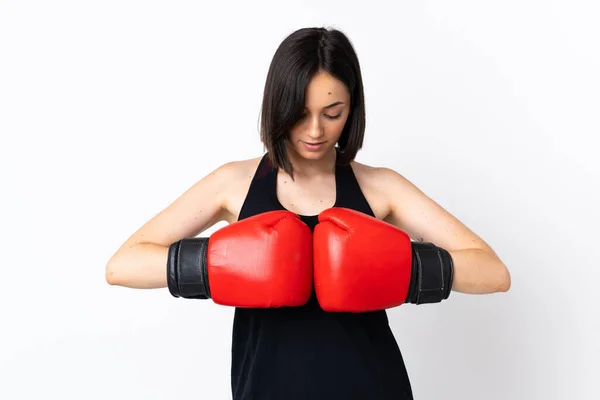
[(387, 181), (369, 172), (374, 182), (202, 205), (413, 211), (237, 178), (401, 195), (238, 169), (384, 178)]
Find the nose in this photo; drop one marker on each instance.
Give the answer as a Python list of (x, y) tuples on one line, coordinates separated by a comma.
[(315, 130)]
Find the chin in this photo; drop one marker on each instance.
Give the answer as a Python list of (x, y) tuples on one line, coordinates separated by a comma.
[(314, 155)]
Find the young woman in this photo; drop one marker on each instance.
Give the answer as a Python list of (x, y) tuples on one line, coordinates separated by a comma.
[(317, 247)]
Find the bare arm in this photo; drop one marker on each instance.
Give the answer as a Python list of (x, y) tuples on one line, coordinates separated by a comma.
[(477, 268), (141, 261)]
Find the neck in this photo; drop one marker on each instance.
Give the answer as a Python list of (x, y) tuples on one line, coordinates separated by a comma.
[(304, 168)]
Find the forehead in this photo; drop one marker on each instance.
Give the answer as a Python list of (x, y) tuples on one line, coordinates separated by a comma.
[(324, 89)]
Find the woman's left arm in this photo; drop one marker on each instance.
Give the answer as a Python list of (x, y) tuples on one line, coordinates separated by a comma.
[(477, 268)]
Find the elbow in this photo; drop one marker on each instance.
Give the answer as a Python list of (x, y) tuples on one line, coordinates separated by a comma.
[(110, 272), (505, 280)]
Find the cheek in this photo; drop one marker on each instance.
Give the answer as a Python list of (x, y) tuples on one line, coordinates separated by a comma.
[(336, 127), (294, 133)]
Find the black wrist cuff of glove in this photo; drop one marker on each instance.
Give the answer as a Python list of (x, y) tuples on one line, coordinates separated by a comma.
[(187, 274), (432, 274)]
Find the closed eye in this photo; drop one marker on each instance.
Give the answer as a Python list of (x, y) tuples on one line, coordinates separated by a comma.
[(304, 115)]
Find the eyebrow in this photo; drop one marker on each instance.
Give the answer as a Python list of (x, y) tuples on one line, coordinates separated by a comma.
[(337, 103)]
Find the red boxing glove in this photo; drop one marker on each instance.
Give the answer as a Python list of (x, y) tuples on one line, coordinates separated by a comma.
[(364, 264), (262, 261)]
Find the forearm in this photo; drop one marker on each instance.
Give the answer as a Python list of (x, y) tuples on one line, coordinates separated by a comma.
[(478, 271), (141, 266)]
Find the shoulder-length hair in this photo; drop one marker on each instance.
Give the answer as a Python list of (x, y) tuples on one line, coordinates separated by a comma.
[(296, 61)]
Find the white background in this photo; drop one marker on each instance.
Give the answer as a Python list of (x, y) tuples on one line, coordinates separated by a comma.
[(109, 110)]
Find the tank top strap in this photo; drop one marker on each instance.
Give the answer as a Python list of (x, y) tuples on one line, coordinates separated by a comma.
[(259, 198), (262, 194), (349, 193)]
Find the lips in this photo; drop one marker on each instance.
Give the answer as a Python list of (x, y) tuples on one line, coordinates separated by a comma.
[(313, 146)]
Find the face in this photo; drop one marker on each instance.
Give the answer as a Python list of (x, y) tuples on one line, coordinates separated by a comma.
[(325, 115)]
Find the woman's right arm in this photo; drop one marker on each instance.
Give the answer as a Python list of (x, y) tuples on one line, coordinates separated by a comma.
[(141, 261)]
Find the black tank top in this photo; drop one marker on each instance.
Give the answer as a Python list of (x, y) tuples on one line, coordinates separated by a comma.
[(305, 353)]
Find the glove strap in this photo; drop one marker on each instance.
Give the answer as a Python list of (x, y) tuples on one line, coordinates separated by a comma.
[(432, 274), (187, 274)]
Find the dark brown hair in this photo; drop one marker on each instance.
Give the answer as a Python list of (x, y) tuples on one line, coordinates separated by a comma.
[(296, 61)]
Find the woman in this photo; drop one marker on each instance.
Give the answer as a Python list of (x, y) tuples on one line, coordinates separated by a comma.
[(299, 332)]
